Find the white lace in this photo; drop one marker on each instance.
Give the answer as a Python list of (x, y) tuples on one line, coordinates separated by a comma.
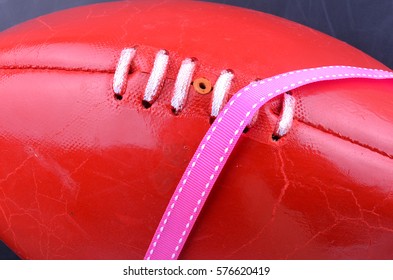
[(122, 70), (157, 76), (183, 83), (285, 120), (220, 92)]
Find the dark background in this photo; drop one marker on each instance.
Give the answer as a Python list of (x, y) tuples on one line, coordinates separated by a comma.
[(365, 24)]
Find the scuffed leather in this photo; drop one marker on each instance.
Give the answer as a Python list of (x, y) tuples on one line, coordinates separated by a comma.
[(86, 176)]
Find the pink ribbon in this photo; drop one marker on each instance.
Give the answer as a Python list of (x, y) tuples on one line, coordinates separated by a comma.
[(218, 143)]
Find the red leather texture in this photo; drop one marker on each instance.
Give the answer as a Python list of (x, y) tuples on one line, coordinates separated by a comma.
[(86, 176)]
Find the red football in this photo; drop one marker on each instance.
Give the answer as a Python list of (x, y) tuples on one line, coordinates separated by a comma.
[(103, 107)]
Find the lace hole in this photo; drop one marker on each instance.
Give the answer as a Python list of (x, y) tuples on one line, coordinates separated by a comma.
[(275, 137), (175, 111), (146, 104), (202, 86), (118, 96)]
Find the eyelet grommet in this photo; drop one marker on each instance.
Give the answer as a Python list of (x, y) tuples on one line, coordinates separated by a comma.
[(202, 85)]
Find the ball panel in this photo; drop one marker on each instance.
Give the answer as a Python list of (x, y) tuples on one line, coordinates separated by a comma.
[(89, 176)]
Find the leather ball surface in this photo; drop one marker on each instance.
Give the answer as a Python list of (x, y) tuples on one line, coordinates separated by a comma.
[(84, 175)]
